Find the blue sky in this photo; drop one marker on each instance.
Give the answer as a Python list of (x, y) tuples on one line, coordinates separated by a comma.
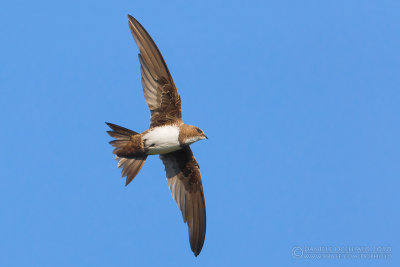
[(299, 99)]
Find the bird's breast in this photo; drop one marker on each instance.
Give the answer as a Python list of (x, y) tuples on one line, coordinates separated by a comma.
[(162, 140)]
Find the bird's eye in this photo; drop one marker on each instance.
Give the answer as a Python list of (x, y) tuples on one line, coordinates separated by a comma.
[(198, 130)]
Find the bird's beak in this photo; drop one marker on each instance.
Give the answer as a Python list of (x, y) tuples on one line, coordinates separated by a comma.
[(206, 136)]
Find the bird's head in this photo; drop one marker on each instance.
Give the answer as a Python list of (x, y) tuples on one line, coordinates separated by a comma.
[(189, 134)]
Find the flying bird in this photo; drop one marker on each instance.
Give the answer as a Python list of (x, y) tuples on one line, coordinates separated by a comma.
[(167, 136)]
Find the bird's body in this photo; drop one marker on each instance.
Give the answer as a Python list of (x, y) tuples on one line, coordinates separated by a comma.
[(167, 136), (162, 140)]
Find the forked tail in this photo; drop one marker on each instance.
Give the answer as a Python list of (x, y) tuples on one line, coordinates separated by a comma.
[(128, 150)]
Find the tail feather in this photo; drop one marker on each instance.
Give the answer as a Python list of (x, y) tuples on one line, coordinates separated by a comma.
[(120, 130), (130, 167), (118, 136), (128, 153), (127, 143)]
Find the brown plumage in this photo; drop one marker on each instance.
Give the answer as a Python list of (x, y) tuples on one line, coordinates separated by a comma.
[(167, 136), (187, 131), (158, 86), (129, 151), (128, 143), (184, 181)]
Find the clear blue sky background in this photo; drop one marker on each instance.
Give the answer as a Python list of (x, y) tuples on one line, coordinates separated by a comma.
[(300, 100)]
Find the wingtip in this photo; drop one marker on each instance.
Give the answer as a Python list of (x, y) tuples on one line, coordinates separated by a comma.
[(196, 251), (132, 23), (131, 19)]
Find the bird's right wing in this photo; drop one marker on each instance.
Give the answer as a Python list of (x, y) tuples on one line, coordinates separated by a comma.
[(158, 87)]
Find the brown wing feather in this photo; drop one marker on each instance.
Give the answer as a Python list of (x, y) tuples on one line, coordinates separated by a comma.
[(159, 88), (184, 181)]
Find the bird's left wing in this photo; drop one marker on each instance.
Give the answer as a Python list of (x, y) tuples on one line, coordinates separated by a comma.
[(184, 181), (159, 89)]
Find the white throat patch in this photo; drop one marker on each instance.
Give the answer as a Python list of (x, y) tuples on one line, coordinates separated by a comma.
[(191, 140)]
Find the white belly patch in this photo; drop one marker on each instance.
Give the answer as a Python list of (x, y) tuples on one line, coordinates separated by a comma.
[(161, 140)]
